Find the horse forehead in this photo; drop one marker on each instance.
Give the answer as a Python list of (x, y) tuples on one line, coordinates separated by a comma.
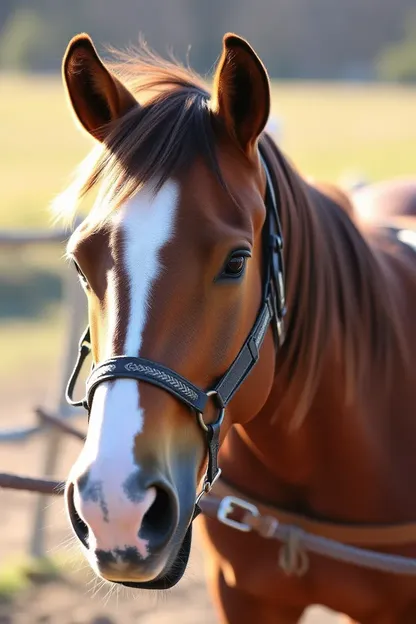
[(146, 219), (148, 225)]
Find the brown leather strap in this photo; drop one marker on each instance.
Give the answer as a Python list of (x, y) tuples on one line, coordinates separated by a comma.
[(356, 534)]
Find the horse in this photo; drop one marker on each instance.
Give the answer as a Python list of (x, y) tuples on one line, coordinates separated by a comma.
[(239, 320), (388, 201)]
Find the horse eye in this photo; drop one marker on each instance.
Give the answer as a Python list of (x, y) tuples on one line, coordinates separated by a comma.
[(80, 273), (236, 264)]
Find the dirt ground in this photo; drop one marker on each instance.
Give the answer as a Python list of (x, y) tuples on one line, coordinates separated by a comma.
[(77, 597)]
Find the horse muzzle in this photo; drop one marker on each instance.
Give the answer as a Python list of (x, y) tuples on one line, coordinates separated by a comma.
[(136, 536)]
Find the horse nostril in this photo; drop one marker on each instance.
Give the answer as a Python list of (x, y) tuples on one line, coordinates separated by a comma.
[(156, 526), (160, 521), (79, 526)]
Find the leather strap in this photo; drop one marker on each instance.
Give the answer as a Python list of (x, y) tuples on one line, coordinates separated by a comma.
[(124, 367), (213, 443), (371, 535), (84, 349), (166, 378), (247, 357)]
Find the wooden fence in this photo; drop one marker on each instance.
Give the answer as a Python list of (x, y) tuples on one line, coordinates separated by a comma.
[(52, 425)]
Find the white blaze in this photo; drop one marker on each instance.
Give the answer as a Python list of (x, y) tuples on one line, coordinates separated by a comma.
[(146, 224)]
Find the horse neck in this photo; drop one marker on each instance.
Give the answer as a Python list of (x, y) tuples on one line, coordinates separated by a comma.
[(341, 311), (338, 328)]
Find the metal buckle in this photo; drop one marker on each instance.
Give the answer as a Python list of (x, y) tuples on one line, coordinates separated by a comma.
[(228, 504)]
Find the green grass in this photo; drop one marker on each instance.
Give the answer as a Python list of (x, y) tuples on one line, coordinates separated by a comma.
[(331, 129), (328, 130), (18, 573), (39, 148)]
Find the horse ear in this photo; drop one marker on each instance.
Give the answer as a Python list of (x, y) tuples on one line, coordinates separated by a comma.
[(241, 95), (96, 95)]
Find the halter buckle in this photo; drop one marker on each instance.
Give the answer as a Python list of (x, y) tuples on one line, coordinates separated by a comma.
[(230, 504)]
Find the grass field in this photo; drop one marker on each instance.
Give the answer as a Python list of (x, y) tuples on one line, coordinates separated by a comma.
[(329, 130)]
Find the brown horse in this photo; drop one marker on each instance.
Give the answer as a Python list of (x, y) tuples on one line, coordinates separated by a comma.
[(181, 261), (391, 201), (386, 203)]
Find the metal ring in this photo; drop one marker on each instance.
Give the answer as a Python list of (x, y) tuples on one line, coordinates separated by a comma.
[(219, 420), (207, 486), (201, 421), (211, 393), (221, 407)]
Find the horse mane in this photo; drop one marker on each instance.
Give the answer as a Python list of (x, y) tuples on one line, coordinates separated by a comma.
[(339, 297), (334, 281)]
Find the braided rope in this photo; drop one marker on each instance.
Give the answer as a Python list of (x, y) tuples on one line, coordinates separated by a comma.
[(179, 385)]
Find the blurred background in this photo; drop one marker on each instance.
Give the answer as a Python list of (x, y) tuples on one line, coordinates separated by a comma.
[(344, 102)]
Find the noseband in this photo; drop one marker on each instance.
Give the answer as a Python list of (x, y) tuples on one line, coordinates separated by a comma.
[(272, 310)]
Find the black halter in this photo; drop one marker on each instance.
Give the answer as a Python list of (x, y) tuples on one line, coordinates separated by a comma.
[(272, 310)]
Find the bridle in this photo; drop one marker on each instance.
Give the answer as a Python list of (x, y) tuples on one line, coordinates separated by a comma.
[(272, 310)]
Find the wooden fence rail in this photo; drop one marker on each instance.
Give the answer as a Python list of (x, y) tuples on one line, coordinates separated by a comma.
[(10, 481)]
